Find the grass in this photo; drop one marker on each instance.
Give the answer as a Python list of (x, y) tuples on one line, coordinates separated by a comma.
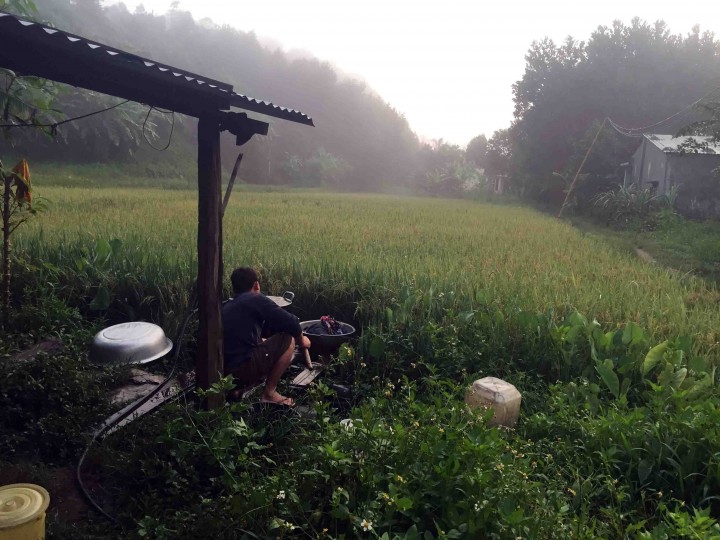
[(136, 175), (686, 246), (352, 250)]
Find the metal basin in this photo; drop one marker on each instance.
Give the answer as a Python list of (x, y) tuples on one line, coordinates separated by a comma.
[(285, 300), (129, 343), (327, 343)]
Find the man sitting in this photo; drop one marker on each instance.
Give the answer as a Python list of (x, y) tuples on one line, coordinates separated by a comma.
[(249, 358)]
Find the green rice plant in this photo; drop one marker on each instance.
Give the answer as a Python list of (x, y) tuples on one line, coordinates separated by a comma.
[(353, 255)]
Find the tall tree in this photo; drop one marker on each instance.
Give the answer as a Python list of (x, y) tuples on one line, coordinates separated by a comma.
[(709, 125), (636, 74), (476, 150), (499, 153)]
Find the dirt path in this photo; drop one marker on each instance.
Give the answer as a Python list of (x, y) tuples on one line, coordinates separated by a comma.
[(644, 255)]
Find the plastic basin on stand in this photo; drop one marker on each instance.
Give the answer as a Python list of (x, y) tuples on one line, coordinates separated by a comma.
[(324, 343)]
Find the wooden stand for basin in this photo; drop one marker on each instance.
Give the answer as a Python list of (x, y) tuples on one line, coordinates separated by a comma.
[(308, 375)]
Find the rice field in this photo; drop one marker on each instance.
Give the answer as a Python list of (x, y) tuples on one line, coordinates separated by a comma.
[(364, 248)]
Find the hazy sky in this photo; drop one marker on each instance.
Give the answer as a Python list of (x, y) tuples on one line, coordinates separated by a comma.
[(448, 65)]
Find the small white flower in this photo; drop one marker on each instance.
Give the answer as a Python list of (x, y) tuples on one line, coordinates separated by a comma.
[(280, 495), (289, 526), (366, 525)]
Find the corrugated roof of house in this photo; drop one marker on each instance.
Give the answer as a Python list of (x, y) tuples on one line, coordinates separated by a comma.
[(698, 144)]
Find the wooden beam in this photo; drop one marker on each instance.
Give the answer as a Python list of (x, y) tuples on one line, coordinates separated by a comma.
[(228, 191), (209, 363), (642, 163)]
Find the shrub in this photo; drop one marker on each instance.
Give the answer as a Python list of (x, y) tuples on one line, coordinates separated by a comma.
[(50, 402), (49, 405), (632, 207)]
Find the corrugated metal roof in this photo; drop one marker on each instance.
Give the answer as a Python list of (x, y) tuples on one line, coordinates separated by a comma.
[(265, 107), (37, 49), (670, 144)]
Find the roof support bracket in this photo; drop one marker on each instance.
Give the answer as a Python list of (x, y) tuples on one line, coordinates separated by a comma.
[(241, 126)]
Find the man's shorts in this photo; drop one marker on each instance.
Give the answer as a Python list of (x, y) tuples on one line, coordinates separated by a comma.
[(263, 358)]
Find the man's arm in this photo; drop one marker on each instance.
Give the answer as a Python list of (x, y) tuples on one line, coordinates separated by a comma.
[(278, 320)]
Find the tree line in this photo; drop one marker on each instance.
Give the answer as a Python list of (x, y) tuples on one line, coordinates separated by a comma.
[(637, 74), (360, 142)]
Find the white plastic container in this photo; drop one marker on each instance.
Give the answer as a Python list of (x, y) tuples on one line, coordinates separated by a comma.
[(496, 394)]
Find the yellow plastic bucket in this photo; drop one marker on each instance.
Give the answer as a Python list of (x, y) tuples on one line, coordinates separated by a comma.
[(22, 512)]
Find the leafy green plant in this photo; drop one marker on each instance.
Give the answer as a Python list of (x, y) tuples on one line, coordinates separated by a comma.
[(49, 404), (680, 522), (16, 209), (631, 205), (25, 100)]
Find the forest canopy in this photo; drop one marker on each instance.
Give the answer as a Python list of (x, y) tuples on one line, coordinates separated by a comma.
[(360, 142), (637, 74)]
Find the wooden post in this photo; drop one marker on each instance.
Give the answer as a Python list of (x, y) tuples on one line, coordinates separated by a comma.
[(572, 185), (642, 163), (209, 364), (6, 179), (228, 191)]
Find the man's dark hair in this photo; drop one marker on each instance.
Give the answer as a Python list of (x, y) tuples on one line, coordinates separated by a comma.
[(243, 279)]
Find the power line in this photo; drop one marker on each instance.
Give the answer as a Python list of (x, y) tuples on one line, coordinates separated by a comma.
[(622, 131), (53, 127), (631, 132)]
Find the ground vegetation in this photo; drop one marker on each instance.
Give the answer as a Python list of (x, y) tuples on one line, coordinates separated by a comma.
[(615, 359)]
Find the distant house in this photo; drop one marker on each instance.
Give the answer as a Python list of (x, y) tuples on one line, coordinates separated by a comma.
[(690, 162), (498, 183)]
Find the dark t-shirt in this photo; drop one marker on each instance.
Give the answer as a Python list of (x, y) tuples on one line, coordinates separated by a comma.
[(244, 318)]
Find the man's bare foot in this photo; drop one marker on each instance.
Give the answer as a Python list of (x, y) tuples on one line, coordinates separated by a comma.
[(240, 391), (277, 399)]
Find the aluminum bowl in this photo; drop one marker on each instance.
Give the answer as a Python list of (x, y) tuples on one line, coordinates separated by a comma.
[(285, 300), (129, 343), (327, 343)]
